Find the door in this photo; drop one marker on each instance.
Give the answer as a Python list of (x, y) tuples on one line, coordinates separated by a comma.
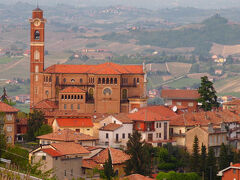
[(150, 137), (116, 137)]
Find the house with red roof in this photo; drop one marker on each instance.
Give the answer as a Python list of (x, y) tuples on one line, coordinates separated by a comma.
[(8, 122), (67, 135), (65, 158), (115, 130), (179, 97), (153, 123), (97, 161), (231, 172), (82, 125)]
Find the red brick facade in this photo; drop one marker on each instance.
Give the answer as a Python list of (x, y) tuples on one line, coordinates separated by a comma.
[(103, 88)]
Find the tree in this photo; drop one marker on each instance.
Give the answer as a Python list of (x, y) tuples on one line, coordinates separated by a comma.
[(166, 161), (203, 160), (35, 121), (208, 97), (44, 129), (195, 156), (177, 176), (140, 156), (211, 165), (108, 168), (223, 158)]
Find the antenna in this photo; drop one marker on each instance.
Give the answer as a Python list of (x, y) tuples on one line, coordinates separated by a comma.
[(37, 4)]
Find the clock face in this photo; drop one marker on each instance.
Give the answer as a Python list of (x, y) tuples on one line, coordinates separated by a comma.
[(37, 23)]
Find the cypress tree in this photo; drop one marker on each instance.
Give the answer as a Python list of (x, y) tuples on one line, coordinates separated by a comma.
[(108, 168), (223, 158), (195, 156), (203, 160), (140, 153), (211, 165), (208, 97)]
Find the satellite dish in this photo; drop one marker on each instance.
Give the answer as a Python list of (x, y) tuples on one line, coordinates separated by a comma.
[(94, 116), (174, 108)]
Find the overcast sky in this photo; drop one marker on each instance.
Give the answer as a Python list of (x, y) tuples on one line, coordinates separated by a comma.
[(156, 4)]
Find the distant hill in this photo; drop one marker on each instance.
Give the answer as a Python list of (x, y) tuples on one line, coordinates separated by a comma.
[(215, 29)]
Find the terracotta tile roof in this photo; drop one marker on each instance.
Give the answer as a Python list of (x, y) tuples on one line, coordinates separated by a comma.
[(46, 104), (72, 90), (67, 135), (90, 164), (110, 127), (234, 102), (179, 94), (52, 152), (136, 177), (92, 148), (66, 113), (204, 118), (236, 165), (74, 122), (118, 156), (123, 117), (162, 110), (69, 148), (7, 108), (106, 68), (146, 115)]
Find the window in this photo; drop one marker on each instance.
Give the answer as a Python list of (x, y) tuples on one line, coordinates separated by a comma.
[(36, 78), (78, 96), (156, 135), (115, 80), (107, 81), (129, 134), (50, 79), (90, 93), (124, 94), (36, 69), (99, 80), (81, 96), (36, 90), (75, 96), (62, 97), (43, 158), (111, 81), (57, 80), (190, 104), (159, 125), (156, 125), (137, 80), (88, 129), (179, 103), (9, 117), (107, 91), (77, 130), (36, 35), (9, 128), (46, 92), (106, 135), (36, 55), (103, 80), (159, 135), (65, 106), (69, 97), (134, 81), (180, 131), (65, 97), (234, 171), (123, 135)]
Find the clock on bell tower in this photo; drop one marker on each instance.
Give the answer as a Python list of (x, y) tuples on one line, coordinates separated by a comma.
[(37, 23)]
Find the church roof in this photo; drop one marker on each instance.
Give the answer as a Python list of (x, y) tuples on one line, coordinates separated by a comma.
[(106, 68)]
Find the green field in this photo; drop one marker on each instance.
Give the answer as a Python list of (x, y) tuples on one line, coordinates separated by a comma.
[(183, 83), (5, 60), (23, 107)]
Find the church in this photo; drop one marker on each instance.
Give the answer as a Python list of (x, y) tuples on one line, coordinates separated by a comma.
[(102, 88)]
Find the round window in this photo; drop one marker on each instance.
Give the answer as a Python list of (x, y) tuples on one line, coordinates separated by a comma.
[(107, 91)]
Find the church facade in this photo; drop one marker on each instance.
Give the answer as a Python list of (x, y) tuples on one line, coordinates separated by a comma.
[(102, 88)]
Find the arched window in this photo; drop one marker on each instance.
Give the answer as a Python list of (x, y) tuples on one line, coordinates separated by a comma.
[(46, 78), (103, 80), (36, 35), (36, 78), (99, 80), (72, 80), (124, 94), (65, 97), (68, 96), (78, 97), (115, 80), (75, 96), (111, 81), (81, 96), (36, 69), (71, 96), (90, 93), (107, 81), (62, 96), (36, 55)]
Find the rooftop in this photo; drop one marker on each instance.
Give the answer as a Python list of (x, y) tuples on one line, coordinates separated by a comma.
[(7, 108), (69, 148), (67, 135), (118, 156), (74, 122), (106, 68), (234, 102), (110, 127), (179, 94), (46, 104)]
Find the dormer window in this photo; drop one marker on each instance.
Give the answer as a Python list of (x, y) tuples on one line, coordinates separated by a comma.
[(37, 35)]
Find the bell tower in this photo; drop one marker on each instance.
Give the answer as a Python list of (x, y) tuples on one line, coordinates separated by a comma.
[(37, 23)]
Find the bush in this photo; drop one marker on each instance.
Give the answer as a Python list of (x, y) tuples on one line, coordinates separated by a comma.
[(177, 176)]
